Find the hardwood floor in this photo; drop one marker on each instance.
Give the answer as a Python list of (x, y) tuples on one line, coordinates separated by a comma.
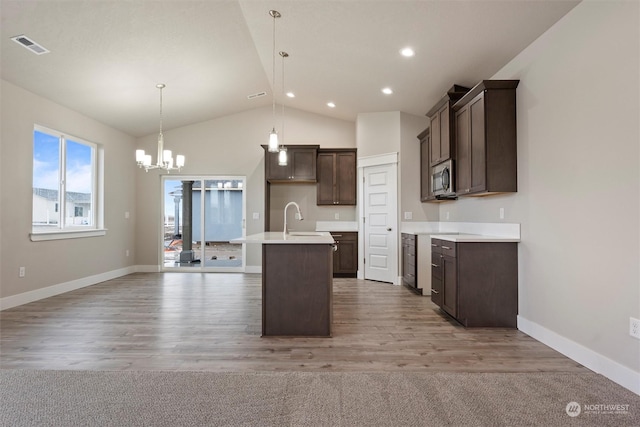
[(211, 322)]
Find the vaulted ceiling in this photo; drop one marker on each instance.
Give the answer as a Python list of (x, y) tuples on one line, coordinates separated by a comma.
[(106, 57)]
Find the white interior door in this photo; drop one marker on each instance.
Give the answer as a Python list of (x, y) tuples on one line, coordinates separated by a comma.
[(380, 221)]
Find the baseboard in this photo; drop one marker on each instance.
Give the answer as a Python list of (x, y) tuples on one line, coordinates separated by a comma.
[(147, 268), (49, 291), (598, 363)]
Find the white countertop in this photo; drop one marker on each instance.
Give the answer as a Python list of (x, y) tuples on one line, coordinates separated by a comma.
[(277, 237), (344, 226), (474, 238)]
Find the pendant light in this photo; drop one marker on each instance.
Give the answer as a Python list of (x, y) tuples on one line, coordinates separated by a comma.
[(165, 158), (273, 135), (282, 154)]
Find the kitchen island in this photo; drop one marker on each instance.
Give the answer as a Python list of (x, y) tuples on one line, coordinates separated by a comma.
[(297, 283)]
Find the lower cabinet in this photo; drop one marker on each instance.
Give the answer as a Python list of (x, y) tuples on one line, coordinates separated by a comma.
[(345, 259), (476, 283), (409, 262)]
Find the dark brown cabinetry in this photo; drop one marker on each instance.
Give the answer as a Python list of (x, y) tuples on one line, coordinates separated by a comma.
[(476, 282), (426, 192), (486, 143), (345, 259), (301, 165), (409, 262), (297, 290), (336, 177), (442, 145)]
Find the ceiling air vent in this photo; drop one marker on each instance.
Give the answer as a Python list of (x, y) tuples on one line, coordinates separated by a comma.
[(256, 95), (30, 44)]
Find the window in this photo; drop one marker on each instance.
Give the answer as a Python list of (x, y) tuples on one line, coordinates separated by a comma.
[(64, 184)]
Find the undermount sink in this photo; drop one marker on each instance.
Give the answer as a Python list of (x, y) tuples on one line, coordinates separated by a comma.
[(304, 233)]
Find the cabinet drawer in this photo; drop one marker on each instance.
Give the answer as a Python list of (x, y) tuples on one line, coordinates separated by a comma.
[(443, 247), (436, 266), (409, 239)]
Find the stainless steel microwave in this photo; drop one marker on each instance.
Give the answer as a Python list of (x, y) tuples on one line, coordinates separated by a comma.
[(442, 181)]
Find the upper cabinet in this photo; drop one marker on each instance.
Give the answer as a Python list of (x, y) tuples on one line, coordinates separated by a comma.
[(301, 164), (485, 136), (442, 144), (426, 192), (336, 177)]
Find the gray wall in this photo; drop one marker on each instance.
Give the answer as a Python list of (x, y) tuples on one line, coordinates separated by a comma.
[(578, 179), (58, 261)]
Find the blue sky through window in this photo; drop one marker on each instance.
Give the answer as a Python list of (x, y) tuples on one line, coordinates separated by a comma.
[(46, 159)]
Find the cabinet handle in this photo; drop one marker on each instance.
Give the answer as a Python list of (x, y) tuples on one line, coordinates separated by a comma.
[(446, 247), (433, 291), (434, 245), (434, 265), (337, 235)]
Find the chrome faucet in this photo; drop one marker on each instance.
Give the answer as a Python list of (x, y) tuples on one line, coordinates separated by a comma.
[(285, 215)]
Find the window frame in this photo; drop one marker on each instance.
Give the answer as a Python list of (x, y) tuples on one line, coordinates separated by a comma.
[(64, 231)]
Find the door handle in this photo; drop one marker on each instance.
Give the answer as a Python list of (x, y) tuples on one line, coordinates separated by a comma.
[(389, 229)]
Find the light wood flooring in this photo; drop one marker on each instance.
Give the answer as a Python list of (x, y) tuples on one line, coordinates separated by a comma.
[(211, 322)]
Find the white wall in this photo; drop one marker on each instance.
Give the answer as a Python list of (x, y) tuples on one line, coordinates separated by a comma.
[(55, 262), (229, 145), (410, 127), (578, 179)]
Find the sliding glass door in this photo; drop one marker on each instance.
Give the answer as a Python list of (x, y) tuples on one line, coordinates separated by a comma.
[(201, 214)]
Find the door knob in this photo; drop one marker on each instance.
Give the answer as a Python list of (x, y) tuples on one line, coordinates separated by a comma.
[(389, 229)]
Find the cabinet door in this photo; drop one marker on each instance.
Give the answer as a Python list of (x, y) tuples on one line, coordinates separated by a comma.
[(303, 164), (463, 152), (345, 259), (477, 144), (435, 139), (449, 285), (345, 177), (445, 134), (274, 171), (326, 179), (426, 192)]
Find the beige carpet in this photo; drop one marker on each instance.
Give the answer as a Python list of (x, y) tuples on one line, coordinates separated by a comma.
[(123, 398)]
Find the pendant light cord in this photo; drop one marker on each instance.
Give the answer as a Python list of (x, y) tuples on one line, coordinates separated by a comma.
[(284, 55), (161, 111), (273, 71)]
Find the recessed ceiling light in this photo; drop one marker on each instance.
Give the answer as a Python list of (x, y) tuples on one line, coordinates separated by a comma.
[(387, 90), (408, 52), (291, 94), (331, 105)]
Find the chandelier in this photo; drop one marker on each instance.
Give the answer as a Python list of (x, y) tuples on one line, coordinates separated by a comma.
[(165, 157)]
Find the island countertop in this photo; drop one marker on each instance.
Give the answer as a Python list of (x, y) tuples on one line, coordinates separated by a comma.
[(278, 237)]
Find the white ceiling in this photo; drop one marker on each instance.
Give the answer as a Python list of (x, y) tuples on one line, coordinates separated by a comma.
[(107, 56)]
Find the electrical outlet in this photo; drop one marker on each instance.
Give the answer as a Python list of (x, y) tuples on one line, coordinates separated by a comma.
[(501, 213), (126, 252), (337, 215), (408, 215), (256, 215), (22, 272), (126, 215), (447, 215), (634, 327)]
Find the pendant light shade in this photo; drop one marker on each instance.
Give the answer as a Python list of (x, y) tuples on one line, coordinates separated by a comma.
[(282, 156), (273, 141), (165, 157)]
